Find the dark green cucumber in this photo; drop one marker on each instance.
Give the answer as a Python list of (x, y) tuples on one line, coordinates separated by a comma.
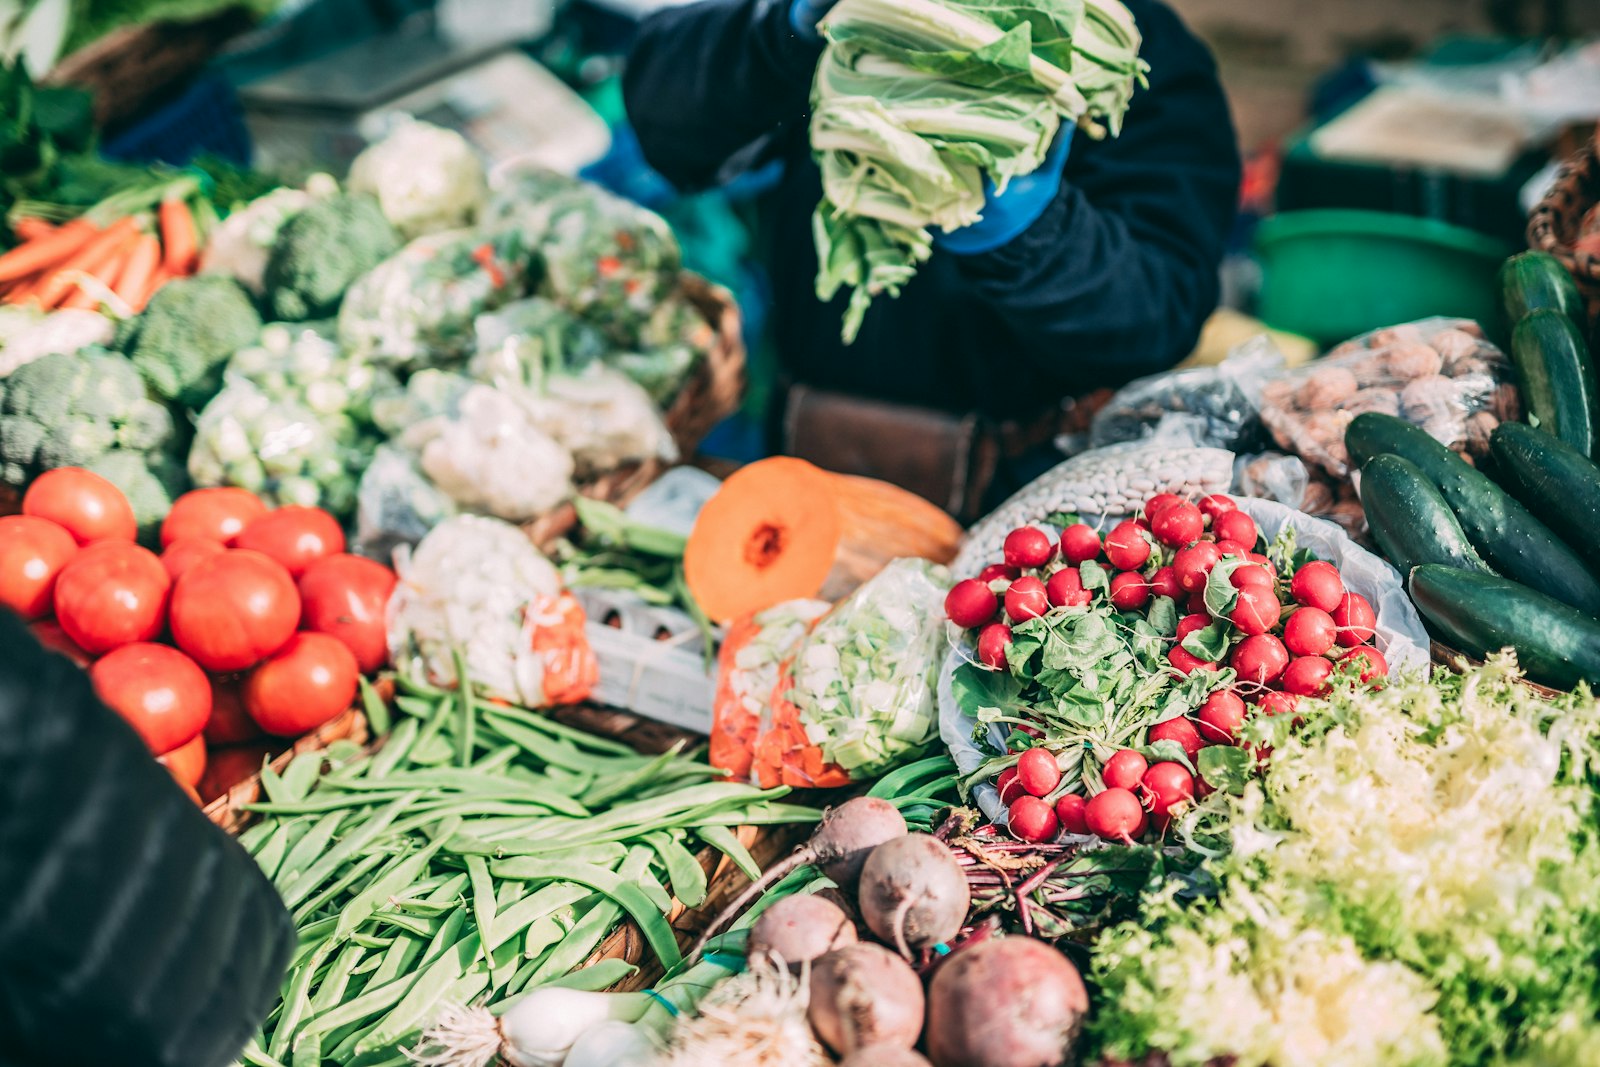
[(1557, 376), (1504, 532), (1556, 482), (1410, 520), (1533, 280), (1482, 613)]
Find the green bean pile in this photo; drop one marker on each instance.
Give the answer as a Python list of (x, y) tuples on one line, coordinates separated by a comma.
[(483, 850)]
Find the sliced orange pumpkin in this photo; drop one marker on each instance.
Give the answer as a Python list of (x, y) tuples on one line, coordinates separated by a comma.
[(768, 535)]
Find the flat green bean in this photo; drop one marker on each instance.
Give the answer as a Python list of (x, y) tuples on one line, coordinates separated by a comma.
[(602, 974), (339, 854), (469, 710), (394, 750), (307, 849), (377, 711), (530, 909), (688, 878), (432, 982), (727, 842), (358, 870)]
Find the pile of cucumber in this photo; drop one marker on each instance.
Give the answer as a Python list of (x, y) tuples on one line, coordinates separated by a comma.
[(1511, 561)]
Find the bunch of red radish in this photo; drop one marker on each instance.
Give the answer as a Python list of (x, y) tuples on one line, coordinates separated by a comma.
[(1286, 636)]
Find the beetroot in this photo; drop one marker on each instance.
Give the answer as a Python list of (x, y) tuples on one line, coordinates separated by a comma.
[(1317, 585), (1005, 1002), (798, 929), (913, 894), (864, 995), (970, 603), (992, 642)]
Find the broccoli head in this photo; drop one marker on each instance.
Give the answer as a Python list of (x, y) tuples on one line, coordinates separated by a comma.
[(187, 332), (68, 409), (150, 483), (321, 251)]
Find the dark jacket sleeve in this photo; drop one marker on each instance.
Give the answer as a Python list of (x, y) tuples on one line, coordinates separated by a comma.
[(714, 86), (1122, 269), (133, 930)]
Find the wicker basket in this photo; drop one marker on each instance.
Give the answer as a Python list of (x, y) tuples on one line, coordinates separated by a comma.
[(1448, 658), (1555, 224), (227, 810)]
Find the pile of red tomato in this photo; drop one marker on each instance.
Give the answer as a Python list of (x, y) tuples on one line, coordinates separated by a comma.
[(250, 622), (1284, 635)]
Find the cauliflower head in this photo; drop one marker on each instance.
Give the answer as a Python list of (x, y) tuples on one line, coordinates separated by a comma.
[(448, 192)]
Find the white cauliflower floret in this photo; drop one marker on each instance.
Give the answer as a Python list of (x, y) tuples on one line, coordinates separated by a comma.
[(604, 419), (27, 335), (491, 455), (426, 178)]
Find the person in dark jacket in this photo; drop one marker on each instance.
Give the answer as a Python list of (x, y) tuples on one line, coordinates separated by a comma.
[(1101, 269)]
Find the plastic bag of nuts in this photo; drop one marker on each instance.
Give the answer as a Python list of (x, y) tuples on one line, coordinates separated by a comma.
[(1440, 374)]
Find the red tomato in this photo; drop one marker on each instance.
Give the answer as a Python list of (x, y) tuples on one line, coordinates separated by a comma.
[(159, 690), (303, 685), (83, 503), (229, 724), (294, 536), (32, 553), (185, 552), (219, 514), (54, 638), (227, 767), (233, 610), (348, 597), (111, 594), (187, 762)]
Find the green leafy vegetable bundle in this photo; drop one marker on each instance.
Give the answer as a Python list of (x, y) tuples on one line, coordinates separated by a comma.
[(916, 102)]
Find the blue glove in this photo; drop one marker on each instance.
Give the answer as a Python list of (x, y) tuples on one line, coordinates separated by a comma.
[(805, 14), (1007, 215)]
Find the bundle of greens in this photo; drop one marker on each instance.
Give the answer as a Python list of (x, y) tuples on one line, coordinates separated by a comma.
[(917, 102)]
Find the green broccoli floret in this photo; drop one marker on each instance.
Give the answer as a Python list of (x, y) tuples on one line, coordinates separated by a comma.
[(321, 251), (67, 410), (150, 483), (187, 332)]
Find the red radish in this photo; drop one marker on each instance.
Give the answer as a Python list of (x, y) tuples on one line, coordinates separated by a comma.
[(1235, 526), (1220, 717), (1129, 591), (1180, 730), (970, 604), (1070, 813), (1276, 703), (1187, 663), (1216, 504), (999, 572), (1263, 560), (1028, 546), (913, 893), (1037, 771), (1202, 788), (1191, 623), (992, 642), (1079, 542), (1116, 815), (1317, 585), (1256, 612), (1010, 788), (1355, 619), (1026, 599), (1193, 564), (1169, 784), (1164, 582), (1178, 525), (1159, 503), (1309, 632), (1196, 604), (1126, 547), (1124, 769), (1374, 665), (1260, 659), (1307, 676), (1032, 820), (1065, 589), (1232, 548), (1251, 574)]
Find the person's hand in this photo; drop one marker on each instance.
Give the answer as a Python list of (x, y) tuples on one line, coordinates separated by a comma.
[(805, 14), (1007, 215)]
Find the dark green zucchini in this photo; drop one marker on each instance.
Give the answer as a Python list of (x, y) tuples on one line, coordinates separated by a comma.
[(1557, 375), (1533, 280), (1504, 532), (1558, 484), (1410, 520), (1482, 613)]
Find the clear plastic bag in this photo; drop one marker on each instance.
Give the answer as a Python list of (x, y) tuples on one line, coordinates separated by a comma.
[(1439, 374), (528, 340), (396, 504), (1216, 405), (1272, 476), (749, 663)]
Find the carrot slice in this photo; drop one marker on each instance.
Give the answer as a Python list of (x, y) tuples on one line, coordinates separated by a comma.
[(48, 250), (179, 239), (768, 535)]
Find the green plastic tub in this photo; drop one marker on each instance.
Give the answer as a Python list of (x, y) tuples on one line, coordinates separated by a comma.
[(1333, 274)]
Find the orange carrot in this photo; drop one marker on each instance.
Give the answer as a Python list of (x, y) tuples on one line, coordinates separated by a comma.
[(50, 249), (133, 284), (160, 277), (106, 249), (31, 229), (178, 236)]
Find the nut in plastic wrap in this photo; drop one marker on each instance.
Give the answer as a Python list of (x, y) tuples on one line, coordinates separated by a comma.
[(1216, 406), (1439, 374)]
